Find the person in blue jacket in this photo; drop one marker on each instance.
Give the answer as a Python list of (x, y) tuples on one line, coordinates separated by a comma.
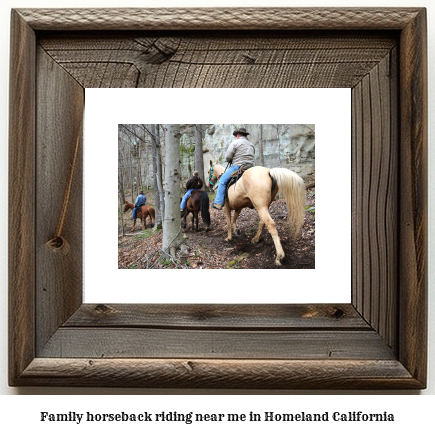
[(140, 201)]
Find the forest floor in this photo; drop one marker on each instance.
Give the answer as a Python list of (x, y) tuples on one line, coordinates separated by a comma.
[(209, 250)]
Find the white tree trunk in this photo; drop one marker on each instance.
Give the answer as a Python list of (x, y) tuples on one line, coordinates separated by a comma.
[(130, 161), (159, 215), (120, 179), (172, 236), (260, 143), (159, 171), (199, 159)]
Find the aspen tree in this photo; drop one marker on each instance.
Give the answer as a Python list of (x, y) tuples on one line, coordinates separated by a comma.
[(172, 236)]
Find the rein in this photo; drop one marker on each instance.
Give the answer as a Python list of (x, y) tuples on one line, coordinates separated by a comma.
[(211, 174)]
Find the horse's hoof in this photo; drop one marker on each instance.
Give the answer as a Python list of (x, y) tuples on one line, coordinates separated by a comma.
[(278, 259), (228, 239), (238, 232), (254, 241)]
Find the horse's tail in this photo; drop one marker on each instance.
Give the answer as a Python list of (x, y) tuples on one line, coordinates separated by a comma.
[(204, 204), (292, 189)]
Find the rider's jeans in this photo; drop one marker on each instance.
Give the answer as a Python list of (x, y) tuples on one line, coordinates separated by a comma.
[(186, 197), (223, 181)]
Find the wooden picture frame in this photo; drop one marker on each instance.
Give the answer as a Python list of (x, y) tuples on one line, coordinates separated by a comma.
[(376, 342)]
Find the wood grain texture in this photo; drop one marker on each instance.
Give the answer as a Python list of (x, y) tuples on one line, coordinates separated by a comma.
[(228, 374), (392, 301), (356, 199), (375, 198), (59, 123), (378, 342), (269, 317), (233, 343), (235, 60), (220, 18), (21, 190), (413, 188), (387, 324)]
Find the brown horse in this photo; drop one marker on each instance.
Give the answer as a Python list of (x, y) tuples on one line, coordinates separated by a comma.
[(258, 187), (144, 212), (198, 201)]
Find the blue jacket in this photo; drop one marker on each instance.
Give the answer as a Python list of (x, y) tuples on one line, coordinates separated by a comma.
[(140, 201)]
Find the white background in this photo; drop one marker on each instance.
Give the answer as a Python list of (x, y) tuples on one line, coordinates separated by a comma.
[(328, 109), (415, 412)]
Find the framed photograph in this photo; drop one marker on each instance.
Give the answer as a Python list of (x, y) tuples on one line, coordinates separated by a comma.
[(127, 170), (375, 341)]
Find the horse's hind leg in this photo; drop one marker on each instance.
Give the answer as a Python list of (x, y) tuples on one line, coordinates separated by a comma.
[(196, 219), (228, 216), (233, 223), (270, 224), (257, 235)]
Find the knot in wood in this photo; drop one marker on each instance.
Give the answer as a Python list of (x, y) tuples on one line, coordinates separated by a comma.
[(103, 309), (338, 313), (249, 59), (58, 244)]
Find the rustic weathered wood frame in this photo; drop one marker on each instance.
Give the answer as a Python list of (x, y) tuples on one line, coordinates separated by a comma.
[(377, 341)]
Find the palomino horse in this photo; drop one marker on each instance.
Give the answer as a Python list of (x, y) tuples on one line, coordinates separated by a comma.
[(144, 212), (198, 201), (258, 187)]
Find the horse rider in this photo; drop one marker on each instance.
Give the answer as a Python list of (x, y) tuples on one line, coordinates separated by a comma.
[(140, 201), (241, 152), (194, 183)]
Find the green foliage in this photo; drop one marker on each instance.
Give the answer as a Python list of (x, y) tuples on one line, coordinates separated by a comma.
[(235, 263), (145, 234), (165, 261), (187, 151), (157, 228), (186, 147)]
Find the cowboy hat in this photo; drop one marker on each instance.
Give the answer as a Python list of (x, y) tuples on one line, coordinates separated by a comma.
[(241, 131)]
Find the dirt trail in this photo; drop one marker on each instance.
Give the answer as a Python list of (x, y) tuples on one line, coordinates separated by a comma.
[(208, 249)]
